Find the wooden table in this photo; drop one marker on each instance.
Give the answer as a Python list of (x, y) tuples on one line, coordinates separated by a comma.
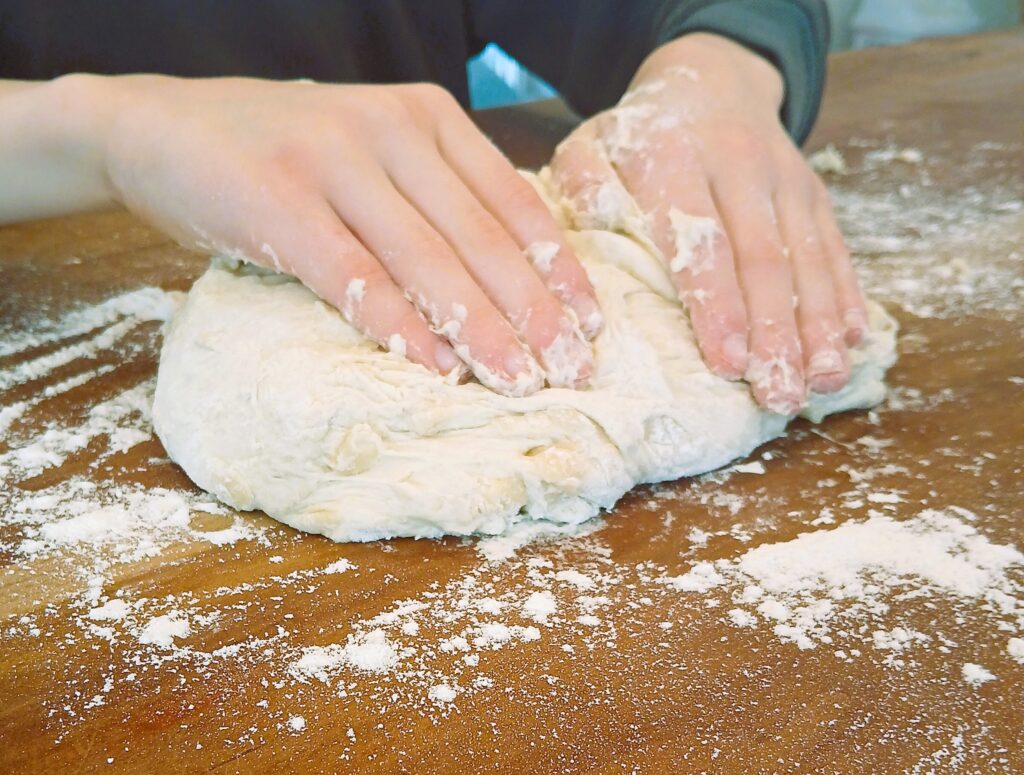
[(664, 683)]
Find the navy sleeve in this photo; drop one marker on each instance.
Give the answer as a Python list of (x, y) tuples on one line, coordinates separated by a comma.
[(589, 50)]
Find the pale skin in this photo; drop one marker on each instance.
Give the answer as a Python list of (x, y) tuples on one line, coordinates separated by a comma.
[(389, 204)]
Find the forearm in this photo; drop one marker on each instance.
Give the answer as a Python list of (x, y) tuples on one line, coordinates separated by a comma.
[(52, 147)]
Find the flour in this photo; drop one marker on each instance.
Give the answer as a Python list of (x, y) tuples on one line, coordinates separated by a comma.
[(370, 652), (442, 693), (541, 255), (162, 630), (694, 239), (829, 161), (144, 304), (339, 566), (805, 579), (115, 610), (827, 586), (1015, 648), (122, 419), (976, 675), (107, 418), (87, 521), (540, 606), (908, 238)]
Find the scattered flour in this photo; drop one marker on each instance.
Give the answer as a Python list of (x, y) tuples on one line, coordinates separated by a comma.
[(539, 606), (754, 467), (115, 609), (370, 652), (976, 675), (908, 237), (1015, 648), (339, 566), (442, 693), (88, 506), (829, 161), (826, 575), (162, 630)]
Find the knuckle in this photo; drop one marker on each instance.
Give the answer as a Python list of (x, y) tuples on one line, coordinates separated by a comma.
[(370, 272), (809, 252), (482, 316), (520, 196), (385, 108), (487, 230), (284, 164), (433, 96), (823, 331), (815, 311), (743, 143), (822, 197), (769, 255)]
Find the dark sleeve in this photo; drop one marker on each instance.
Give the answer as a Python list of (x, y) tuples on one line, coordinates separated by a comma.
[(589, 50)]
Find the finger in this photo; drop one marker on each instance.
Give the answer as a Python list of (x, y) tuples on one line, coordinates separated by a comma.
[(420, 261), (308, 240), (589, 183), (775, 369), (686, 227), (852, 310), (521, 212), (826, 360), (494, 261)]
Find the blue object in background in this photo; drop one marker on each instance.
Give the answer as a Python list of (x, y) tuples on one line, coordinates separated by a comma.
[(496, 79)]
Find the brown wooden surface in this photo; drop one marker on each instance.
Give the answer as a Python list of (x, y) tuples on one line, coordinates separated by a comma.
[(702, 696)]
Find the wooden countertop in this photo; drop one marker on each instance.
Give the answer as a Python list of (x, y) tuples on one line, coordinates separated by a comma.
[(660, 680)]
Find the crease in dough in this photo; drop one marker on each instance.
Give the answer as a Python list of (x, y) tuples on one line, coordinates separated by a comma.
[(270, 400)]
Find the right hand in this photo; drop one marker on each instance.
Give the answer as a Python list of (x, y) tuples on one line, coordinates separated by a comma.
[(386, 201)]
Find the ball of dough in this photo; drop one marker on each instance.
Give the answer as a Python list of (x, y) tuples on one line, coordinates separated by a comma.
[(269, 400)]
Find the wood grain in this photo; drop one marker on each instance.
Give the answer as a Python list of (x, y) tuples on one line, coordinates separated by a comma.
[(701, 695)]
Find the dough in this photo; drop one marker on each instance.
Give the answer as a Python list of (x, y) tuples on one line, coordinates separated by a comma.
[(269, 400)]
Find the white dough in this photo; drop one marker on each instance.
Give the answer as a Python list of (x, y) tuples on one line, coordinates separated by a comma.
[(269, 400)]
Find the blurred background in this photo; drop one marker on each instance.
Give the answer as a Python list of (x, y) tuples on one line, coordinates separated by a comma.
[(496, 79)]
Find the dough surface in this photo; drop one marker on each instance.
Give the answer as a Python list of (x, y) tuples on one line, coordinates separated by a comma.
[(270, 401)]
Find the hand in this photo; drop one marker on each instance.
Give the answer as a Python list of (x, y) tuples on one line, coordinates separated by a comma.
[(745, 224), (386, 201)]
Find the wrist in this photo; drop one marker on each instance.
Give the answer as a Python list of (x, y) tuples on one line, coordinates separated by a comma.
[(80, 110), (724, 66)]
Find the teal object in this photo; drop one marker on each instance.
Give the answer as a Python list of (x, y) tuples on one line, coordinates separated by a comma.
[(496, 79)]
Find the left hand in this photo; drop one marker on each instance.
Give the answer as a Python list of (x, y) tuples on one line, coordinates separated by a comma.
[(745, 224)]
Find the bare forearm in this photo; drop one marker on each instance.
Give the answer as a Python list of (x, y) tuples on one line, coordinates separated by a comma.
[(52, 139)]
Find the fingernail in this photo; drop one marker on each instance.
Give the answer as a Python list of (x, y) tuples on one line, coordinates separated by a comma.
[(856, 326), (523, 373), (447, 361), (517, 362), (778, 386), (734, 348), (589, 314), (568, 361), (826, 372), (825, 362)]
